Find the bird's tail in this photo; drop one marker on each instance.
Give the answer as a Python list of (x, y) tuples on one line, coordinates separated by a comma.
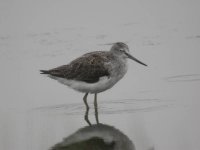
[(44, 72)]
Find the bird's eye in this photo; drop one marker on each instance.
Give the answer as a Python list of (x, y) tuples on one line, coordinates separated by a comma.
[(121, 50)]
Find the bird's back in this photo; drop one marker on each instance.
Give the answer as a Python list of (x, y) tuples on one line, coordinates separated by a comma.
[(88, 68)]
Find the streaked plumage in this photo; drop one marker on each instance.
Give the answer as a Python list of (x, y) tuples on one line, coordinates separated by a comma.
[(94, 72), (87, 68)]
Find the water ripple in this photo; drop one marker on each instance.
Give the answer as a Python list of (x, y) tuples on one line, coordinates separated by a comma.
[(184, 78), (123, 106)]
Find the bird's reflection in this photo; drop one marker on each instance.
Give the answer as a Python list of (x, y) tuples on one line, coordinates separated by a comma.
[(96, 137)]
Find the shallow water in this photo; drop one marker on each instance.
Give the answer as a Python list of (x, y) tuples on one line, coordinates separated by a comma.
[(155, 106)]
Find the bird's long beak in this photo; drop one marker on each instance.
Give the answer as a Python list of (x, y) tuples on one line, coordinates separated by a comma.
[(133, 58)]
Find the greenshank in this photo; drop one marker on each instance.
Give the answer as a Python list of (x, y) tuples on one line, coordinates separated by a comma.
[(94, 72)]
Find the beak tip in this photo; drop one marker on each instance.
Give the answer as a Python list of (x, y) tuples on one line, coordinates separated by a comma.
[(144, 64), (133, 58)]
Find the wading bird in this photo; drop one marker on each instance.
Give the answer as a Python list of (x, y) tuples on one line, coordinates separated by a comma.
[(94, 72)]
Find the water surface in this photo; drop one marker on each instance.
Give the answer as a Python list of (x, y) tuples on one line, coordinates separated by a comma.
[(155, 106)]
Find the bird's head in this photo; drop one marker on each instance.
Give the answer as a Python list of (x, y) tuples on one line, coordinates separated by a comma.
[(122, 50)]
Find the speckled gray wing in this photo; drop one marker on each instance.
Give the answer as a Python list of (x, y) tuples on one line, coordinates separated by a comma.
[(94, 143), (88, 68)]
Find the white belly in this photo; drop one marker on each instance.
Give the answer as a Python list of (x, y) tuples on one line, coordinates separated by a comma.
[(103, 84)]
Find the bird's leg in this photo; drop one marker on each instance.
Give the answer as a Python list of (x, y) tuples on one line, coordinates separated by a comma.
[(96, 108), (87, 109)]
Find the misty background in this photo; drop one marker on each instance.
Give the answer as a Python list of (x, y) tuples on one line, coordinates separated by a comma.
[(154, 106)]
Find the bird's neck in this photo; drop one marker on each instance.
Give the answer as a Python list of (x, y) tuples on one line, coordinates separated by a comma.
[(120, 66)]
